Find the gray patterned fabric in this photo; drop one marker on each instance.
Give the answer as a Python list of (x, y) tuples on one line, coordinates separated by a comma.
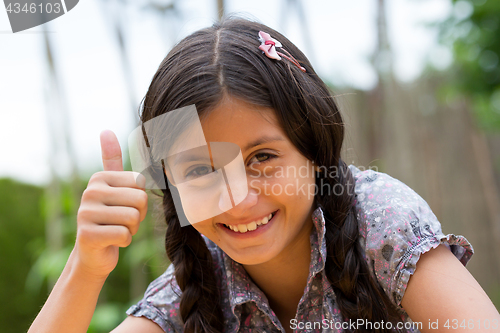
[(396, 226)]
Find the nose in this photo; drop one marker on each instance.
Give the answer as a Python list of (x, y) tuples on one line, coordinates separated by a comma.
[(241, 208)]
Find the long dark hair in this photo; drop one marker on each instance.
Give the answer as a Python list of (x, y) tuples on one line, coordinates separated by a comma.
[(225, 60)]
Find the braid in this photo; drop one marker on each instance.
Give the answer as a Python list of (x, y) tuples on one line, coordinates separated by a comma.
[(200, 308), (358, 294)]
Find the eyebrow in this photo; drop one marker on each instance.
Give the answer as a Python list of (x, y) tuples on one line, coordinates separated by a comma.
[(187, 157), (263, 140)]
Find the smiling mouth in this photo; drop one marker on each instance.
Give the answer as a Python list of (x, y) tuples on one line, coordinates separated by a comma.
[(243, 228)]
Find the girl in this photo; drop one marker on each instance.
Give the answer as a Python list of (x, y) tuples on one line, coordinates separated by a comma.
[(334, 249)]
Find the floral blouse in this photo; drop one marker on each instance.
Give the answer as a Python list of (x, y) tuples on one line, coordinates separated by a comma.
[(396, 226)]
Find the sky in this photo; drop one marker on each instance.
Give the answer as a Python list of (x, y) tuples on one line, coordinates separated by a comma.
[(342, 37)]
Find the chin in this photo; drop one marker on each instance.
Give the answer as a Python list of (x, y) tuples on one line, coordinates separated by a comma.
[(251, 259)]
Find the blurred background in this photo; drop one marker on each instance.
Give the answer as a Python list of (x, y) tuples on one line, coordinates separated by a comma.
[(417, 80)]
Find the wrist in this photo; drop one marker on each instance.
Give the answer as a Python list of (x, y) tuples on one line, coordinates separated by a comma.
[(77, 270)]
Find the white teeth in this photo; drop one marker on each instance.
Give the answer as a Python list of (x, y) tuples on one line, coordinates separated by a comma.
[(250, 226)]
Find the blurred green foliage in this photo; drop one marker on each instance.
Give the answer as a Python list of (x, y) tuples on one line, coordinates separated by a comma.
[(29, 267), (22, 241), (473, 33)]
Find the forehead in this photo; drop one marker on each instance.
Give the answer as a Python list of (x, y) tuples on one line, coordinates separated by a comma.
[(239, 122)]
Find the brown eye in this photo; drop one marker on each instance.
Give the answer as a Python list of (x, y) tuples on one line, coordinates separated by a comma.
[(262, 158), (199, 171)]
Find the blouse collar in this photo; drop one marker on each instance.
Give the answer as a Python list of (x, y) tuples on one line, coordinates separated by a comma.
[(242, 289)]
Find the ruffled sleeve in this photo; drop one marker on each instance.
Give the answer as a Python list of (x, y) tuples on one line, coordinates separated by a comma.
[(161, 303), (396, 227)]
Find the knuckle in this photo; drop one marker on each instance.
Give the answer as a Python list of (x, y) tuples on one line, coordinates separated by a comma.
[(90, 193), (144, 211), (85, 195), (133, 217), (134, 230), (125, 236), (140, 180), (143, 199), (84, 234), (84, 213), (97, 177)]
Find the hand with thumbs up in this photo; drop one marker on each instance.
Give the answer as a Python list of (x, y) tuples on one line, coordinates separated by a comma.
[(111, 209)]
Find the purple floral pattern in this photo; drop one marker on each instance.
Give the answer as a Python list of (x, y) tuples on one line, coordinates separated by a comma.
[(396, 226)]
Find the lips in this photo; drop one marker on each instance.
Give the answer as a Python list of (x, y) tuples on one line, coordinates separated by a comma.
[(247, 227)]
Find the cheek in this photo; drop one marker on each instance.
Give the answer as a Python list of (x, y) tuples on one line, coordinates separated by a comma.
[(206, 228), (300, 178), (289, 187)]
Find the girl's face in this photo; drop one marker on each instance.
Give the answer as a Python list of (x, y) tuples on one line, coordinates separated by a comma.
[(281, 186)]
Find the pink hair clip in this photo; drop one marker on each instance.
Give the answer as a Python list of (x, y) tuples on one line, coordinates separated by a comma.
[(268, 46)]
